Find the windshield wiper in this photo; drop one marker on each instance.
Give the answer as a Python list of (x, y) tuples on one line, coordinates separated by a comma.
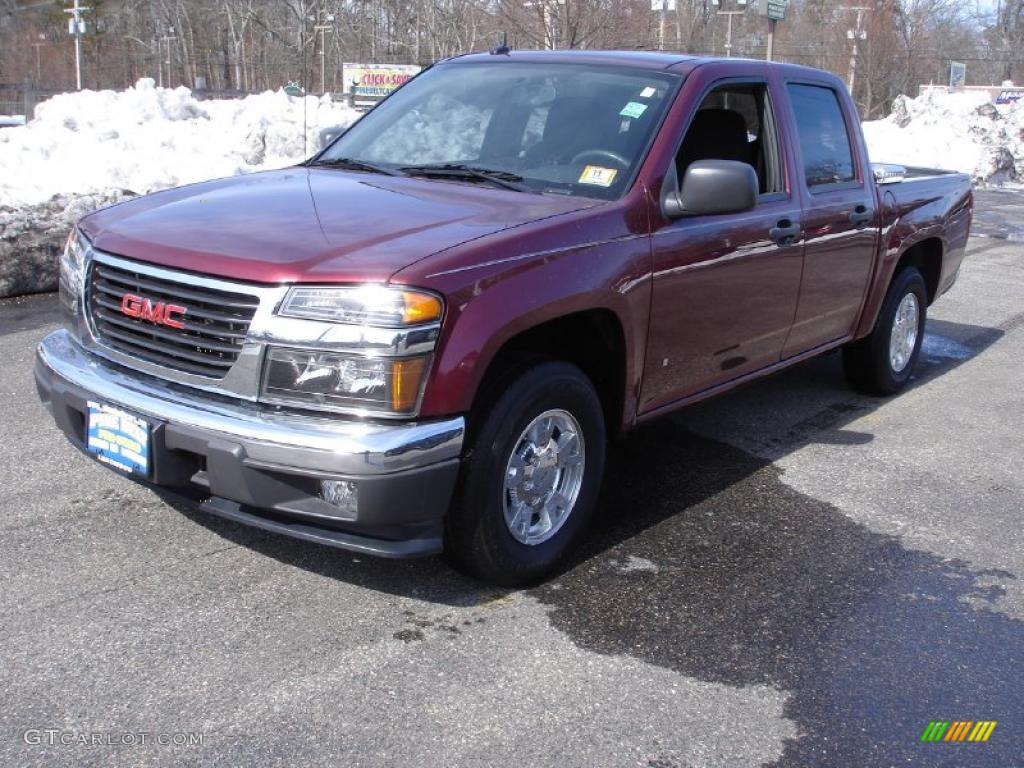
[(351, 164), (505, 179)]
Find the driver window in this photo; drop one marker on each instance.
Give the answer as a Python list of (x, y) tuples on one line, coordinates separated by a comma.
[(735, 122)]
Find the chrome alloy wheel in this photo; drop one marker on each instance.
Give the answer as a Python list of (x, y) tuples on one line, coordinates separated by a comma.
[(543, 477), (904, 332)]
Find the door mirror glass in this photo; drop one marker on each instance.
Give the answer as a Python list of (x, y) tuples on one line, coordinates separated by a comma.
[(713, 187)]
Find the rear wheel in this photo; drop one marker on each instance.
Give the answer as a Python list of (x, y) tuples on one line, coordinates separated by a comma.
[(531, 478), (882, 363)]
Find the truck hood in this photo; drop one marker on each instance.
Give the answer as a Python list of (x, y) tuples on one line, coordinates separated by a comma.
[(312, 224)]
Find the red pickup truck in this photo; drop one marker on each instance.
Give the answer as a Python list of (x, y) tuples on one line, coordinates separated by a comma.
[(422, 338)]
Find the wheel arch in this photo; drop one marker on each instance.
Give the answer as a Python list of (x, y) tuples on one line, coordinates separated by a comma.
[(926, 255), (925, 252), (592, 339)]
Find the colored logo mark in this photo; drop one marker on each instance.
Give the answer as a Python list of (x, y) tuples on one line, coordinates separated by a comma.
[(958, 730)]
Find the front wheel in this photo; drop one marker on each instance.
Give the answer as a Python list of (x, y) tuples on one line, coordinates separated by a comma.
[(531, 478), (882, 363)]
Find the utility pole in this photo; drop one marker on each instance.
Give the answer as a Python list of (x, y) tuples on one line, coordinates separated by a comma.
[(322, 29), (728, 28), (662, 19), (663, 7), (854, 35), (39, 67), (160, 54), (76, 26)]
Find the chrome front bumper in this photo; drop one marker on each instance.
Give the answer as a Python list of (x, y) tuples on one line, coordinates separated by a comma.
[(269, 462)]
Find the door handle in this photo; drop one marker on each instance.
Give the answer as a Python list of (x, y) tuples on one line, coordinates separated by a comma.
[(862, 216), (785, 231)]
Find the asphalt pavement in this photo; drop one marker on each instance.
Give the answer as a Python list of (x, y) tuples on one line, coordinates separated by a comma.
[(791, 574)]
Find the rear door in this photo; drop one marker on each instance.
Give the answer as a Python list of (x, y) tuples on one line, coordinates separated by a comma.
[(839, 217), (725, 286)]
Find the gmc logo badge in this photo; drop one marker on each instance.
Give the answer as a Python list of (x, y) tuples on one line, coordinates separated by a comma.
[(171, 315)]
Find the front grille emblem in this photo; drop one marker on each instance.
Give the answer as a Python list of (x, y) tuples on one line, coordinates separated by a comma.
[(158, 313)]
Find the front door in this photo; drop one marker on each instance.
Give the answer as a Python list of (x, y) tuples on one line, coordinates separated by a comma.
[(725, 286)]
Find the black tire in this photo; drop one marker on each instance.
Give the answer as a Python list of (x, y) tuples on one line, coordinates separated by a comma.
[(477, 538), (866, 361)]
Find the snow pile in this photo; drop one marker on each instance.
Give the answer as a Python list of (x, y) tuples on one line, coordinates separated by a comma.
[(147, 138), (85, 150), (961, 131)]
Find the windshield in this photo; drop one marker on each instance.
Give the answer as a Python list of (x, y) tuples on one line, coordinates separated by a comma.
[(551, 128)]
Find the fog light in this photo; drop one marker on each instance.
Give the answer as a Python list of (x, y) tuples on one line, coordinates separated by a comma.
[(343, 494)]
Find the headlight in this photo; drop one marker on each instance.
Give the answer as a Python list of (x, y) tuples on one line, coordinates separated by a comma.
[(376, 305), (371, 381), (340, 381), (72, 271)]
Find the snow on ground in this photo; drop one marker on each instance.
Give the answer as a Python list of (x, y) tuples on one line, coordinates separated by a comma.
[(960, 131), (147, 138)]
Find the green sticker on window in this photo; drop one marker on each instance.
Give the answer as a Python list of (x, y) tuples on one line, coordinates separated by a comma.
[(634, 109)]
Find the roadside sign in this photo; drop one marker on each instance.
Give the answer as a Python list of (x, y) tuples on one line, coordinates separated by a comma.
[(775, 10), (957, 74), (375, 81), (663, 5)]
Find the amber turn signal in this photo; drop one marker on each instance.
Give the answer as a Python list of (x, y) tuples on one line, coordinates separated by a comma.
[(420, 308), (406, 378)]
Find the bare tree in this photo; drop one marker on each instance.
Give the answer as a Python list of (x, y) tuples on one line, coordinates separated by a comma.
[(252, 45)]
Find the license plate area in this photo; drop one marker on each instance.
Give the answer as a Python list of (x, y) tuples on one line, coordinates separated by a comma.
[(118, 438)]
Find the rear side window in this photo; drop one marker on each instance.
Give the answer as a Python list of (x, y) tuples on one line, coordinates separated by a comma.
[(824, 140)]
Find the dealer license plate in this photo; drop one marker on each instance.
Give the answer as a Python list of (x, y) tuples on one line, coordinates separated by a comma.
[(118, 438)]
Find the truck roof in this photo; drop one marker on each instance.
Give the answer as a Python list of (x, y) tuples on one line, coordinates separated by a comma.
[(638, 59), (664, 60)]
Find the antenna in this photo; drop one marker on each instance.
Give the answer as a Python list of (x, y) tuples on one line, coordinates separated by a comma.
[(503, 49), (304, 92)]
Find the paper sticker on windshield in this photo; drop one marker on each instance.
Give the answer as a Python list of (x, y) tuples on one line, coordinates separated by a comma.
[(634, 109), (595, 174), (647, 92)]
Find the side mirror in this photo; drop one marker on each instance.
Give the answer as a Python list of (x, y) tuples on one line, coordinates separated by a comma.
[(711, 187)]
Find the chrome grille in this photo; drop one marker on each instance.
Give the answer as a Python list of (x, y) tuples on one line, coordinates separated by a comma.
[(216, 322)]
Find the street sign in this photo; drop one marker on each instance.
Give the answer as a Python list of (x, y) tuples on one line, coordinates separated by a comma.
[(666, 5), (957, 74), (773, 9), (776, 11)]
